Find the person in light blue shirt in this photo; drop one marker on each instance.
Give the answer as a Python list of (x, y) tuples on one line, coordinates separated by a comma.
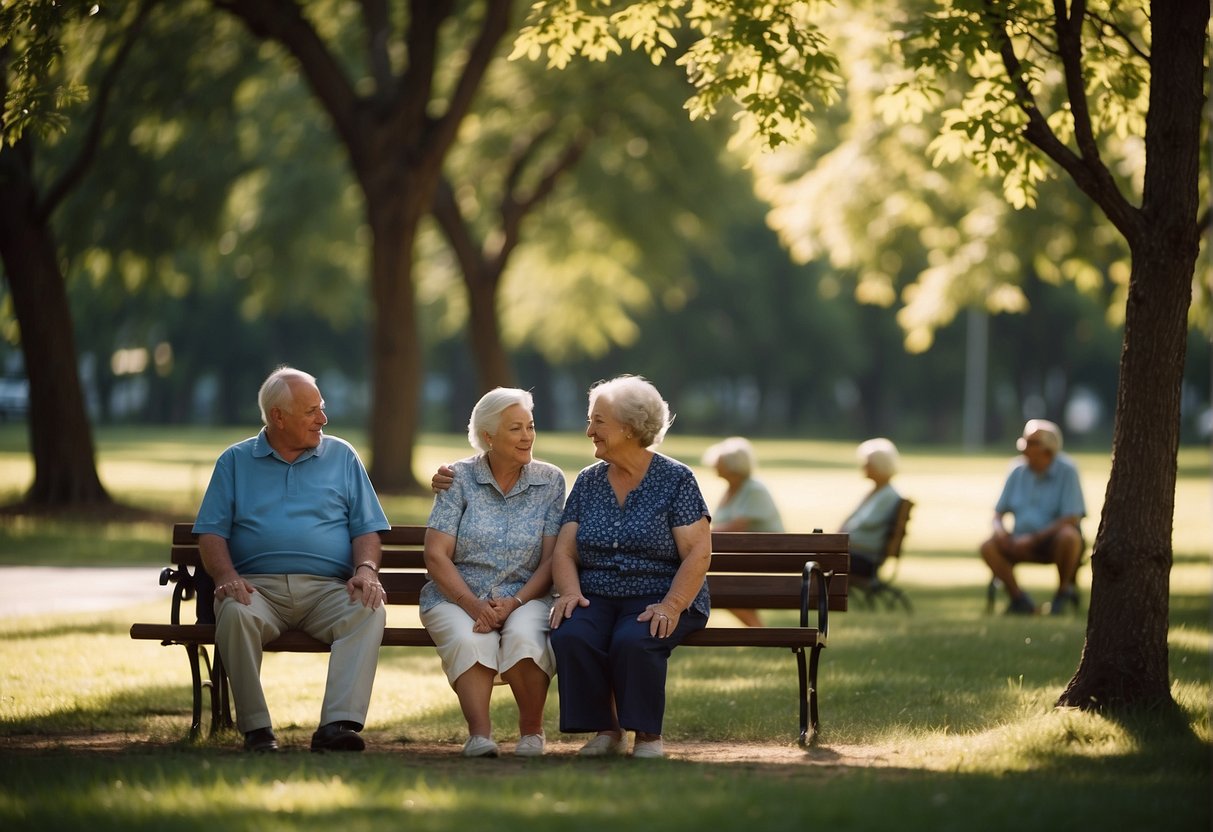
[(488, 550), (747, 504), (868, 525), (289, 531), (1043, 494)]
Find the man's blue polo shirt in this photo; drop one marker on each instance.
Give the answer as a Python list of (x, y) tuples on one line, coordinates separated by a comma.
[(1037, 500), (296, 517)]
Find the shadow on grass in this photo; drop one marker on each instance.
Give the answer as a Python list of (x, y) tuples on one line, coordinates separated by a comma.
[(141, 791)]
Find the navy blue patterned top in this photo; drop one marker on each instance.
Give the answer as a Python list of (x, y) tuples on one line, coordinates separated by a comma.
[(629, 551)]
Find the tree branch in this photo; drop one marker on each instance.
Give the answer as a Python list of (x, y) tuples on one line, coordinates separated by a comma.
[(515, 208), (450, 219), (492, 30), (92, 137), (1088, 171), (378, 37), (282, 21)]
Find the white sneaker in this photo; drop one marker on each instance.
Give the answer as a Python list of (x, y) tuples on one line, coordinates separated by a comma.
[(604, 745), (478, 746), (530, 745), (651, 750)]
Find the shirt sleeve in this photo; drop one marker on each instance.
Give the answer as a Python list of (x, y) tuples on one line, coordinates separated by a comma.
[(215, 513), (688, 505), (554, 515), (1072, 503), (366, 514), (450, 504)]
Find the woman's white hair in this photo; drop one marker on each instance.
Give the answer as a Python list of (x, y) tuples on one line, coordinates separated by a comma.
[(881, 454), (735, 455), (486, 415), (276, 390), (635, 402)]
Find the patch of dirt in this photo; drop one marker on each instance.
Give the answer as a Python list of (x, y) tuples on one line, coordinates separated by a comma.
[(732, 754)]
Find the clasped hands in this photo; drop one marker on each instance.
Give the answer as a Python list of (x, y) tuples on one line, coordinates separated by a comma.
[(491, 613)]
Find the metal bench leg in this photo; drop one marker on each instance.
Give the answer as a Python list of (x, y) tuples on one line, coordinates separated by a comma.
[(802, 674), (192, 650), (221, 703)]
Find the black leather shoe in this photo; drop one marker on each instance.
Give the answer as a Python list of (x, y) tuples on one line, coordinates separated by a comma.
[(338, 736), (260, 739)]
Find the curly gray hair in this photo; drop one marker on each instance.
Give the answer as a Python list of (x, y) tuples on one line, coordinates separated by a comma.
[(635, 402)]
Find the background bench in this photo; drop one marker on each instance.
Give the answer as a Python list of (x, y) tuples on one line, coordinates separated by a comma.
[(804, 572), (881, 588)]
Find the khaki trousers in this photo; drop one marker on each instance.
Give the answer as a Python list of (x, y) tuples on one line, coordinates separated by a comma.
[(318, 606)]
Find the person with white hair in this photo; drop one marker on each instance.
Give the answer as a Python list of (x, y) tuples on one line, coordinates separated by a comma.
[(868, 524), (488, 551), (289, 530), (1043, 494), (630, 571), (747, 504)]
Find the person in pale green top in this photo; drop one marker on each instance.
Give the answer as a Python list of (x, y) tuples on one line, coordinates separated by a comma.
[(747, 505), (868, 524)]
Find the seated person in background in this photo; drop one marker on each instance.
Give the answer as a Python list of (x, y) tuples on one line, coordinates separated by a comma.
[(868, 524), (289, 531), (1043, 493), (747, 505)]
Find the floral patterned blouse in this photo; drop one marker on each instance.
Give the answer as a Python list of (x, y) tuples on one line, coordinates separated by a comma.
[(629, 550), (498, 537)]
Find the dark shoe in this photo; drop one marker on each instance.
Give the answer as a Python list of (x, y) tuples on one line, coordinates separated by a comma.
[(1062, 600), (260, 740), (1023, 605), (338, 736)]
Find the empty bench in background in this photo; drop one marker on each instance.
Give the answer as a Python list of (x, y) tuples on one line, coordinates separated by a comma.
[(756, 570)]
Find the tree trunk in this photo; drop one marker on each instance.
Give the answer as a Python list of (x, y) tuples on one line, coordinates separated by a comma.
[(61, 439), (484, 330), (395, 339), (1124, 662)]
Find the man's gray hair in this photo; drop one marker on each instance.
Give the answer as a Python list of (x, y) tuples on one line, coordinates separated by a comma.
[(276, 390), (486, 415), (635, 402)]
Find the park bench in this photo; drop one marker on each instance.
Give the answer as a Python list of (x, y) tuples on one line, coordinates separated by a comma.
[(804, 572), (881, 588)]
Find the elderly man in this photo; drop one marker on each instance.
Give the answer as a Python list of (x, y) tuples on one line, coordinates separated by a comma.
[(288, 530), (1043, 493)]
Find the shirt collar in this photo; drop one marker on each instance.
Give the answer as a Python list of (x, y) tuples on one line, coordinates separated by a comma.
[(262, 447)]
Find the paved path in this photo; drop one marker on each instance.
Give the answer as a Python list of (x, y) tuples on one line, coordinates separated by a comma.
[(33, 590)]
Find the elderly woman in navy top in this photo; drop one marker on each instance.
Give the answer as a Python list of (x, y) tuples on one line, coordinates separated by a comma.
[(629, 569), (488, 550)]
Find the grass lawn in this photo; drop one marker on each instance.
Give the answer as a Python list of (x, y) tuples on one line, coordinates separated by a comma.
[(938, 720)]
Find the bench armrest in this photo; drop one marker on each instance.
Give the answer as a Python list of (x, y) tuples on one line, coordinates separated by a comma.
[(813, 569)]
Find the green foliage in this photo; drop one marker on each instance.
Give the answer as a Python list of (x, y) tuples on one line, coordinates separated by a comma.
[(1005, 58), (37, 92), (770, 58)]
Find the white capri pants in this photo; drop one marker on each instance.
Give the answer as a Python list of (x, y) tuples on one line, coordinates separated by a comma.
[(523, 636)]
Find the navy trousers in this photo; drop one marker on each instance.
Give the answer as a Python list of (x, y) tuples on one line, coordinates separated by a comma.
[(606, 661)]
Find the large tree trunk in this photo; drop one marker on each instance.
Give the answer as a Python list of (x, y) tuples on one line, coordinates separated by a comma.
[(1124, 661), (61, 439), (395, 341)]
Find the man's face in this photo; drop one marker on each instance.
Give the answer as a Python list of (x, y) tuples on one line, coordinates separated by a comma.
[(300, 425), (1036, 453)]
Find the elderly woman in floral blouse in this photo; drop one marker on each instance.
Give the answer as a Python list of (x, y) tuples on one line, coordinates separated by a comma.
[(488, 551), (629, 570)]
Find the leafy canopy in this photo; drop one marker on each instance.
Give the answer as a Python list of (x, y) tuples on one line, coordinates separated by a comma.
[(768, 57), (36, 91)]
